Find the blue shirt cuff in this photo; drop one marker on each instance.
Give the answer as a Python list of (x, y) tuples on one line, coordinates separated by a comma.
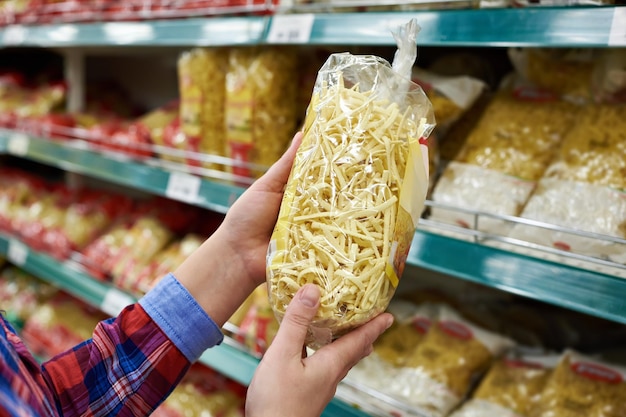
[(182, 319)]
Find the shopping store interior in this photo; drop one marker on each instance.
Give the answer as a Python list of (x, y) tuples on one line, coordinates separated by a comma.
[(127, 131)]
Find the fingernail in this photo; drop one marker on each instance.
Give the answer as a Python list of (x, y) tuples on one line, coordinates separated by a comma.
[(309, 295), (389, 322)]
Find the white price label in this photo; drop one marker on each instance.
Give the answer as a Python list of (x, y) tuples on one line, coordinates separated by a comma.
[(18, 252), (617, 36), (14, 35), (18, 144), (183, 187), (291, 28), (115, 301)]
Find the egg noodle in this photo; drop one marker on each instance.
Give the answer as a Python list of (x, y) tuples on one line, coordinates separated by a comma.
[(342, 225)]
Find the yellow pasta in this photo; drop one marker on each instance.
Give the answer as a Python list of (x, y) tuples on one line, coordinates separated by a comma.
[(344, 224)]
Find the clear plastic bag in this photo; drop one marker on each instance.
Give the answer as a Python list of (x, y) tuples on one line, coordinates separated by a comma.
[(356, 190)]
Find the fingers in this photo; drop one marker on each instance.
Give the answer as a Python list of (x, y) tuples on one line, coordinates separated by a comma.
[(275, 178), (293, 328), (349, 349)]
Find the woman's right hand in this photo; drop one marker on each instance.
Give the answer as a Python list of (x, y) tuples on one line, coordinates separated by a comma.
[(289, 384)]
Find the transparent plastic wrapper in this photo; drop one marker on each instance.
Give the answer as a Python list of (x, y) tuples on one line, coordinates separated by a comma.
[(201, 73), (446, 363), (260, 107), (511, 387), (356, 191), (203, 392), (502, 159), (391, 351), (583, 386), (566, 72), (584, 188), (451, 97)]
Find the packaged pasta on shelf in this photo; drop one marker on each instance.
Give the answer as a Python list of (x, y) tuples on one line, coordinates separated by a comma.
[(502, 159), (584, 188), (21, 294), (356, 190), (260, 106), (203, 392), (59, 325), (258, 326), (145, 274), (201, 74), (511, 388), (583, 386), (566, 72), (451, 97), (447, 362)]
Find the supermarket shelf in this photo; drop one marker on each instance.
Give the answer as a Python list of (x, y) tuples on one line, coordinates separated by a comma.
[(532, 26), (65, 275), (121, 170), (558, 27), (228, 360), (578, 289), (582, 289), (176, 32)]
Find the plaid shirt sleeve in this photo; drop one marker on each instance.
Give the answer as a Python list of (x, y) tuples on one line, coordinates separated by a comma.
[(133, 361)]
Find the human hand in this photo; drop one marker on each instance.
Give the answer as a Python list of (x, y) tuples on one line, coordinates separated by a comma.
[(231, 263), (286, 382), (250, 221)]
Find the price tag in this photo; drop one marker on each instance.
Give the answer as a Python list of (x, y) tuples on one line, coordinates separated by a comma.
[(115, 301), (18, 252), (183, 187), (617, 36), (14, 35), (291, 28), (18, 144)]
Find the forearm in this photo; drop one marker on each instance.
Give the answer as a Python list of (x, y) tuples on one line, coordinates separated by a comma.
[(216, 276)]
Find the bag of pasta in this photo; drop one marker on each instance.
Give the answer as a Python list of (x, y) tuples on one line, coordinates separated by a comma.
[(356, 190)]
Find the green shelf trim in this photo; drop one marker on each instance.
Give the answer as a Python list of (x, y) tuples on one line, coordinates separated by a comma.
[(125, 171), (531, 26), (577, 289), (175, 32), (557, 27), (62, 275)]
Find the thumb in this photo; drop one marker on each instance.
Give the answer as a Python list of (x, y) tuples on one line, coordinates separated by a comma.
[(294, 326)]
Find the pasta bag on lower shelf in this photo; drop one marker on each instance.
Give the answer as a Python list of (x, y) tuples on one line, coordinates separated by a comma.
[(447, 362), (583, 386), (511, 388), (356, 191)]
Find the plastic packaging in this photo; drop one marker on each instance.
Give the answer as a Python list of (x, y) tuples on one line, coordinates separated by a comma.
[(511, 387), (203, 392), (584, 187), (355, 193), (583, 386), (201, 74), (260, 107), (503, 157), (562, 71), (391, 351), (447, 362)]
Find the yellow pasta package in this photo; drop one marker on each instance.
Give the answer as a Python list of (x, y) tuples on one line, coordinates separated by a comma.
[(356, 190)]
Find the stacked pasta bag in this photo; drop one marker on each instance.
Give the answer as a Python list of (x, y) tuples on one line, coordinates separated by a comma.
[(498, 166), (356, 190)]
